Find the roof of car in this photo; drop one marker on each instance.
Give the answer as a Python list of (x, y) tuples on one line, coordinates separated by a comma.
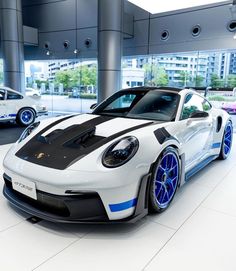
[(144, 88), (10, 89)]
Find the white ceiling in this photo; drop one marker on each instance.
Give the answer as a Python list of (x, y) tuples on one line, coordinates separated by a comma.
[(155, 6)]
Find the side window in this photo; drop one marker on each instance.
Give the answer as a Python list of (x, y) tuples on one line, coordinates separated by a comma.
[(206, 105), (192, 104), (13, 96), (2, 94)]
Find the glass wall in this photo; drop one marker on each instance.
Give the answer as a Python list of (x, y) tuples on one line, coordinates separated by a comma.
[(64, 86), (70, 86), (212, 73), (1, 72), (194, 69)]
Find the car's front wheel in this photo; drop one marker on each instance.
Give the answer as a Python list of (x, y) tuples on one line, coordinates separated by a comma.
[(165, 180), (226, 143), (25, 116)]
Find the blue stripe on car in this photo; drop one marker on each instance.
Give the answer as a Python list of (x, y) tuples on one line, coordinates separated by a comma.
[(216, 145), (7, 116), (123, 205)]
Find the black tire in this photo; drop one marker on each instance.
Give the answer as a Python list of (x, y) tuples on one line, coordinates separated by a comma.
[(25, 116), (157, 178), (228, 132)]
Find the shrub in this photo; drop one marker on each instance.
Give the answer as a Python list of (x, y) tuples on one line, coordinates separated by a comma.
[(217, 98)]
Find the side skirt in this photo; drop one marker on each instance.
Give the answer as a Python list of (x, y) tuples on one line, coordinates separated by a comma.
[(198, 167)]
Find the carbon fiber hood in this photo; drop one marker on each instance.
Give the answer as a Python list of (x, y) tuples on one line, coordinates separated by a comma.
[(59, 148)]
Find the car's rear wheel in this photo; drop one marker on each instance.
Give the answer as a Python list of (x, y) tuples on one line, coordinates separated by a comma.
[(165, 180), (25, 116), (226, 141)]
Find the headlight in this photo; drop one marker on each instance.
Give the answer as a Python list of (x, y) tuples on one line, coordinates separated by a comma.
[(120, 152), (28, 131)]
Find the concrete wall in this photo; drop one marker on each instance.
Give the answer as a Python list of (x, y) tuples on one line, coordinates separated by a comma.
[(214, 35), (76, 20), (57, 21)]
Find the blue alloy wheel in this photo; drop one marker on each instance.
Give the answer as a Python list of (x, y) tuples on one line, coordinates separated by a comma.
[(165, 180), (26, 116), (226, 141)]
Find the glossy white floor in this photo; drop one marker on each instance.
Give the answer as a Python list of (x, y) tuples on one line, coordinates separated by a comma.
[(198, 232)]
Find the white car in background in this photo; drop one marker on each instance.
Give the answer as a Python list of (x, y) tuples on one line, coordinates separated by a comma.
[(32, 92), (15, 106)]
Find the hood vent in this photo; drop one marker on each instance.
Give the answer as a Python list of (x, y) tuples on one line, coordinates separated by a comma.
[(63, 147)]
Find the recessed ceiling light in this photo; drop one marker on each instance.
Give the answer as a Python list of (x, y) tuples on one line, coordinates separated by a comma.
[(154, 6)]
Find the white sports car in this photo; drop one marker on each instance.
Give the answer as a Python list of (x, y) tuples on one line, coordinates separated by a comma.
[(31, 92), (15, 106), (125, 159)]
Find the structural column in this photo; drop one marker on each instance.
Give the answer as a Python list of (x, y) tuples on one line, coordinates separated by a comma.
[(12, 44), (110, 44)]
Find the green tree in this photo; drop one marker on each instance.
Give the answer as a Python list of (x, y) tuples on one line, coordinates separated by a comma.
[(81, 76), (184, 78), (216, 82), (155, 76), (199, 81), (87, 75), (68, 78), (148, 74), (40, 82), (231, 81), (161, 78)]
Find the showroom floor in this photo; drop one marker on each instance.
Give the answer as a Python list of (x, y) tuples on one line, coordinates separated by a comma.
[(196, 233)]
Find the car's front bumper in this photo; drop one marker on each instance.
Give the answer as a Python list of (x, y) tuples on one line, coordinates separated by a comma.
[(85, 207)]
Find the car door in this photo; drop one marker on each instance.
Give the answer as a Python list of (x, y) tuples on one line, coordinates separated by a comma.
[(14, 103), (197, 133), (10, 103), (3, 104)]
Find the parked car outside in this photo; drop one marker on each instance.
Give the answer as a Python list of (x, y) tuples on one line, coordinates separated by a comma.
[(32, 92), (16, 106), (229, 107)]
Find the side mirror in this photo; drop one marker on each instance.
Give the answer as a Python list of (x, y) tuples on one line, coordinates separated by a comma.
[(93, 106), (199, 114)]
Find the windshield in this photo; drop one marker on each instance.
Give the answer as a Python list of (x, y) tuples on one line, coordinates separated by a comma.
[(152, 105)]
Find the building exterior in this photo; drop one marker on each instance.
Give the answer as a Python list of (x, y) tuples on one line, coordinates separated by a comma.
[(61, 65), (232, 63), (132, 77), (193, 69)]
